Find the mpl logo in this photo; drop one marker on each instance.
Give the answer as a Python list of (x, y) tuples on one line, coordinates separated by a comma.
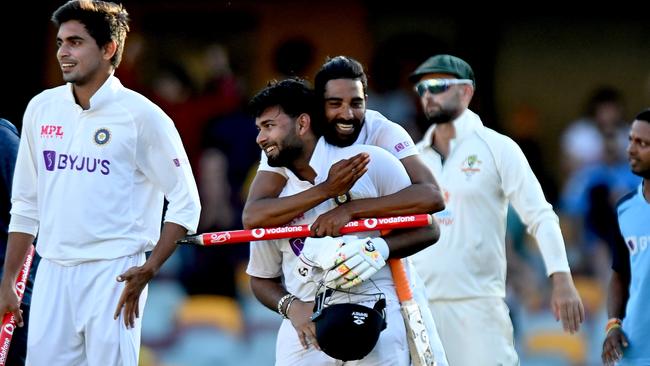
[(74, 163), (50, 131)]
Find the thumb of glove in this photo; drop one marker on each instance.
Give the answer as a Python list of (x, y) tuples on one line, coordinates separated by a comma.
[(377, 244)]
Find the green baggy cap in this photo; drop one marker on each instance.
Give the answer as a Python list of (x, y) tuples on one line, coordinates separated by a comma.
[(443, 64)]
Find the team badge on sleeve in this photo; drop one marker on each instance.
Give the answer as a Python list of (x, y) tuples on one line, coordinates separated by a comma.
[(102, 136)]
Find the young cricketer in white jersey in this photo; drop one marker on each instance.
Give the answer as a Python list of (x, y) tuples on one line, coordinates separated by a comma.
[(94, 164), (288, 130)]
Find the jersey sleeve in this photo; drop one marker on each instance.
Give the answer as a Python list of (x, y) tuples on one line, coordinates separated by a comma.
[(264, 165), (162, 159), (393, 138), (265, 259), (525, 193), (24, 199), (621, 257), (387, 173)]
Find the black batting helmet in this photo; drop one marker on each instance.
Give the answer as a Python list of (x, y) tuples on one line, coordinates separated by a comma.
[(347, 331)]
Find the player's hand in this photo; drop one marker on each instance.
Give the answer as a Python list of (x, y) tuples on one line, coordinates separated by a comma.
[(300, 316), (316, 256), (136, 279), (10, 303), (331, 222), (613, 346), (344, 173), (566, 303), (357, 261)]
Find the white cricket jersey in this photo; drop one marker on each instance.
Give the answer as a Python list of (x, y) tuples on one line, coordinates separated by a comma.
[(91, 182), (277, 258), (376, 130), (484, 171)]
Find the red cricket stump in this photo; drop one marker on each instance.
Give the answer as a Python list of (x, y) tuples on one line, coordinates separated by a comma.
[(419, 347), (286, 232), (8, 321)]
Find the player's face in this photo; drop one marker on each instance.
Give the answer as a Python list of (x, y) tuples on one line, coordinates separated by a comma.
[(445, 106), (80, 58), (638, 149), (278, 137), (345, 108)]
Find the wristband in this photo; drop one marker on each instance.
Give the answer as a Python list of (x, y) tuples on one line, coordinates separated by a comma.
[(612, 324), (286, 311), (283, 299)]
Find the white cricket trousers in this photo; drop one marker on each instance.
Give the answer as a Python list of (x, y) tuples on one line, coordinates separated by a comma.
[(71, 317), (391, 348), (475, 332)]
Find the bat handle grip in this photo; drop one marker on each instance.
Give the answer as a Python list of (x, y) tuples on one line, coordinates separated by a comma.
[(190, 239)]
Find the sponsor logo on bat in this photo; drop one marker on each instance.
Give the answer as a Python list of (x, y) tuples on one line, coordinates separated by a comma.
[(220, 237)]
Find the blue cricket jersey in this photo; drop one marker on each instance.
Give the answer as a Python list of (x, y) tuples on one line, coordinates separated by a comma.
[(634, 222)]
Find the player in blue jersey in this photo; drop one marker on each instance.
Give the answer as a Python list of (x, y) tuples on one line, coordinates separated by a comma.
[(628, 328)]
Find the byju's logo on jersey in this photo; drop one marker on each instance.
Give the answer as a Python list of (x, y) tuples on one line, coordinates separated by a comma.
[(296, 245), (102, 136), (50, 157), (74, 163), (52, 131)]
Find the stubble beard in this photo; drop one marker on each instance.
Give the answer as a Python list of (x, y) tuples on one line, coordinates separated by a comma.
[(285, 157), (442, 116)]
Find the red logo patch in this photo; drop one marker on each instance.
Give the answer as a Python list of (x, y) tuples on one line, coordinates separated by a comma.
[(50, 131)]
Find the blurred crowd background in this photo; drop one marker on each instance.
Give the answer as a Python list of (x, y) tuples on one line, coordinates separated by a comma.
[(563, 85)]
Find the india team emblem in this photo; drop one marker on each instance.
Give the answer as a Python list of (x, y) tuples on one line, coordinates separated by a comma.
[(102, 136)]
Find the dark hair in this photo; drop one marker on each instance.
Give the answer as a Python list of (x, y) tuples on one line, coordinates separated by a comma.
[(104, 21), (294, 96), (644, 115), (600, 96), (339, 67)]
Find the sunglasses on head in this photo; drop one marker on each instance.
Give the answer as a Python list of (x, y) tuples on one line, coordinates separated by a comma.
[(436, 86)]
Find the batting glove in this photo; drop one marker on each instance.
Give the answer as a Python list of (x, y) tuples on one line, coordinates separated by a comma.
[(356, 261), (318, 255)]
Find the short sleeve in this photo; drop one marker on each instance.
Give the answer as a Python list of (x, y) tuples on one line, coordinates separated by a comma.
[(265, 259)]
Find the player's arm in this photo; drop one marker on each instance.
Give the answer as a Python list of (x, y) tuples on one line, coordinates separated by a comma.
[(618, 295), (17, 246), (405, 242), (138, 277), (264, 209), (270, 292), (524, 191), (422, 196), (160, 156), (24, 223)]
